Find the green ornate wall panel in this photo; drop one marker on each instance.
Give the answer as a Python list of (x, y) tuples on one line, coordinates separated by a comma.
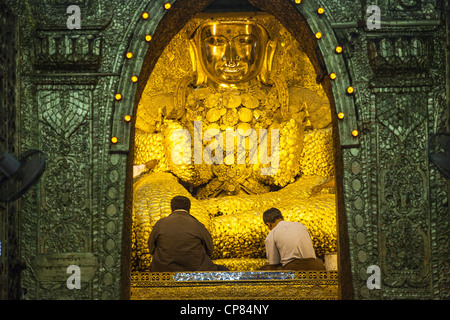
[(9, 246), (64, 114), (394, 207), (398, 210)]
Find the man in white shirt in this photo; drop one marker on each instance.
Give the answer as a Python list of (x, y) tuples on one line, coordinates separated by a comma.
[(288, 245)]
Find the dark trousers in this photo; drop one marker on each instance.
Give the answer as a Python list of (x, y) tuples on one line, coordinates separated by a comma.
[(297, 265), (222, 268)]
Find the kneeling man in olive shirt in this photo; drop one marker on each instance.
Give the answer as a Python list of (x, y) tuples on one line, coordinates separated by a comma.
[(179, 242)]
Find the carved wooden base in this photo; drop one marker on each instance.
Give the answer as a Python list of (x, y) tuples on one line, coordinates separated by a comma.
[(231, 285)]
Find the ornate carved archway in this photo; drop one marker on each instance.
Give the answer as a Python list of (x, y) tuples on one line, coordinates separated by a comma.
[(150, 36), (146, 51)]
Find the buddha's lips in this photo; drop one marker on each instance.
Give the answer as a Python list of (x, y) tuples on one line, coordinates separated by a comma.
[(231, 70)]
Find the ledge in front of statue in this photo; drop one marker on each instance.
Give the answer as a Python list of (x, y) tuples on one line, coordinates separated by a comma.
[(235, 285)]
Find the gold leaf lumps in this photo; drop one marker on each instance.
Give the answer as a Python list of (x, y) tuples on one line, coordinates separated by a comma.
[(245, 114), (243, 129), (250, 101), (213, 100), (232, 101), (237, 264), (202, 93), (231, 118), (317, 154), (239, 231), (212, 130), (213, 114)]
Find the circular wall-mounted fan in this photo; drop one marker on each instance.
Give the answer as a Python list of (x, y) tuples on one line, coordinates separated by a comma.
[(439, 152), (18, 175)]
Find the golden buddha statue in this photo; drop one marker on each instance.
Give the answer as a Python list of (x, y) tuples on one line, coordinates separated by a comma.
[(230, 135)]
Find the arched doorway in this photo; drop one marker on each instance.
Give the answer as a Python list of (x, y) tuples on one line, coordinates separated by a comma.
[(320, 47)]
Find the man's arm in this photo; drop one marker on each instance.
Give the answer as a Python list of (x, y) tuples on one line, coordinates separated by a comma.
[(153, 238), (207, 241), (273, 256)]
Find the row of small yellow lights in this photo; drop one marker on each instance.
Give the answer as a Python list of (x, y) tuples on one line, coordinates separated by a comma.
[(318, 35), (333, 75), (134, 79)]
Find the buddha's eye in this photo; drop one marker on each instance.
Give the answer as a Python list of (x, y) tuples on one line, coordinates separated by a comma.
[(216, 41), (245, 40)]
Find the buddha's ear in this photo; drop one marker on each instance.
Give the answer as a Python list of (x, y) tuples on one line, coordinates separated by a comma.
[(194, 54), (195, 60), (266, 68)]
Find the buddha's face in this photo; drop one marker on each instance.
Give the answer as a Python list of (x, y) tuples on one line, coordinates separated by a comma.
[(232, 53)]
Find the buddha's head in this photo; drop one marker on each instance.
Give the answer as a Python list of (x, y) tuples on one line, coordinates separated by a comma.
[(231, 52)]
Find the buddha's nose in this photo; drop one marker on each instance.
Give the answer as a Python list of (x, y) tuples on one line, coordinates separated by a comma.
[(230, 56)]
